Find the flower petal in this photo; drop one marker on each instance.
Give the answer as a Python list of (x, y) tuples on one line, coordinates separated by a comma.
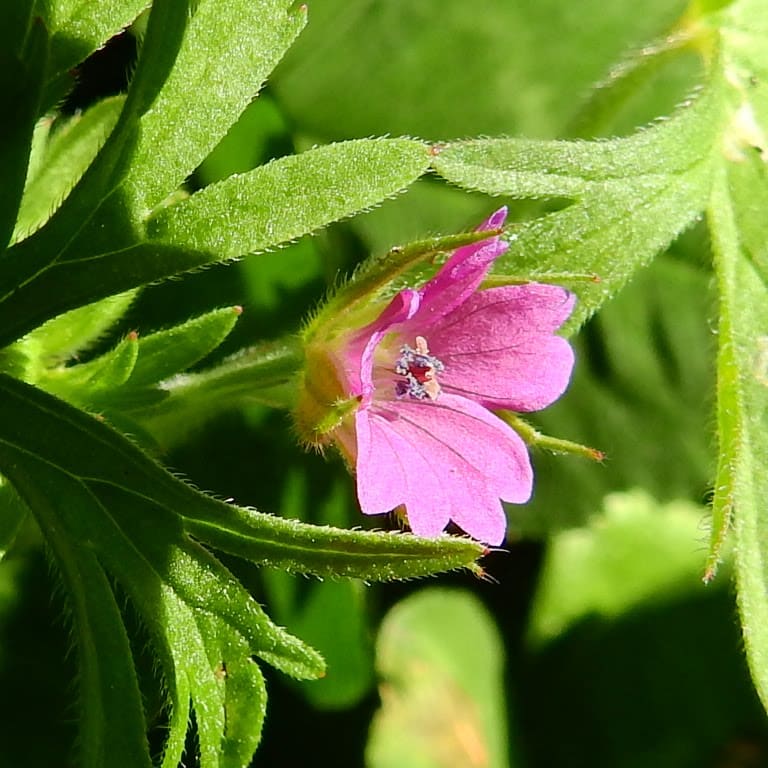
[(454, 283), (358, 354), (499, 347), (447, 460), (460, 276)]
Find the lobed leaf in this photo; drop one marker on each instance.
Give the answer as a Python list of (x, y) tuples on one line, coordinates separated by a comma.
[(90, 488), (185, 597), (278, 202), (80, 221)]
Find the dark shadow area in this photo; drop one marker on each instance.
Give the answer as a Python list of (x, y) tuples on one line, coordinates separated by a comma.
[(664, 686), (38, 668)]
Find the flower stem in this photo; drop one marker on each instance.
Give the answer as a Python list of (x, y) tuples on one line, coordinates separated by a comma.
[(263, 375)]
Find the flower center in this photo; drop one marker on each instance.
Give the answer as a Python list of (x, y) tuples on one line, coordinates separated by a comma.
[(418, 369)]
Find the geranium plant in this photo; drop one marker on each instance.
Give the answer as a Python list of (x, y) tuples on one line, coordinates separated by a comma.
[(220, 262)]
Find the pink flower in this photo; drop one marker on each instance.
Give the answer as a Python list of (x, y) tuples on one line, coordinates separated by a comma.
[(427, 371)]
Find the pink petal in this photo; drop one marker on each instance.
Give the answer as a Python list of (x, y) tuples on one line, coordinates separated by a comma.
[(499, 347), (447, 460), (460, 276), (454, 283), (359, 351)]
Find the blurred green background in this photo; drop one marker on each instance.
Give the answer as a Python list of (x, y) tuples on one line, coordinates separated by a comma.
[(595, 642)]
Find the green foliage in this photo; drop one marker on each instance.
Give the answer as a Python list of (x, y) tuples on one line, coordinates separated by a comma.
[(99, 365), (77, 30), (668, 167), (634, 554), (58, 161), (632, 657), (289, 197), (107, 512), (106, 508)]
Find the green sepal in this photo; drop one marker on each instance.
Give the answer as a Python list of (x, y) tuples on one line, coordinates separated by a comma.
[(536, 439)]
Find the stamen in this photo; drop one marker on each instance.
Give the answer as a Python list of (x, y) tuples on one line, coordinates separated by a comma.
[(419, 369)]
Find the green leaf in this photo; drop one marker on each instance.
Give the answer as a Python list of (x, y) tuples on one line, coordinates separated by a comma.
[(31, 418), (107, 678), (81, 222), (186, 598), (259, 134), (441, 662), (171, 351), (100, 376), (266, 207), (89, 487), (531, 63), (21, 79), (65, 158), (290, 197), (76, 331), (183, 126), (748, 189), (630, 197), (13, 513), (635, 552), (65, 286), (79, 29), (326, 551), (742, 409)]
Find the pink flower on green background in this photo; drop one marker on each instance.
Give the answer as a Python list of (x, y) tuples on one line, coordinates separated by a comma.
[(427, 371)]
